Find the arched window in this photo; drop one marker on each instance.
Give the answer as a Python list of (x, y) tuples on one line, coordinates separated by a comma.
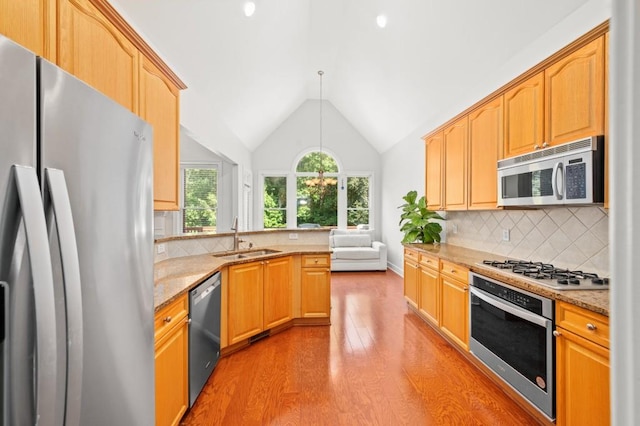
[(317, 190), (317, 193)]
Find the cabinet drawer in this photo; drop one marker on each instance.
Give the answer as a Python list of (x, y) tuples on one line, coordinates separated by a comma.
[(429, 261), (454, 270), (411, 255), (315, 260), (170, 315), (590, 325)]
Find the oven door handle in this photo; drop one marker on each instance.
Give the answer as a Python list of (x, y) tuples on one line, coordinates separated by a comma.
[(525, 315)]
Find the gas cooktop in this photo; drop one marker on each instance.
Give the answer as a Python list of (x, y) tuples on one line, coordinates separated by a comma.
[(548, 275)]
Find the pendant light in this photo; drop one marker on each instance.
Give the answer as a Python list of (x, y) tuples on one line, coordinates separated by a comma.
[(321, 168)]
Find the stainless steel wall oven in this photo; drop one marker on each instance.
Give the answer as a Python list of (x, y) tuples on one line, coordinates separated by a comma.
[(511, 333)]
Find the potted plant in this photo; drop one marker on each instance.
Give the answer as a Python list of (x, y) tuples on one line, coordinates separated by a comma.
[(417, 218)]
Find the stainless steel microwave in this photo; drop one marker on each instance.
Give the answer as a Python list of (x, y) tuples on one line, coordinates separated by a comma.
[(571, 173)]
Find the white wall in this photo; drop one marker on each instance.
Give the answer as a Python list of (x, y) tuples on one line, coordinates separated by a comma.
[(301, 132), (403, 164)]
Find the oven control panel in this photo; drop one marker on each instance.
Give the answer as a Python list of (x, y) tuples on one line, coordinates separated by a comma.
[(525, 300)]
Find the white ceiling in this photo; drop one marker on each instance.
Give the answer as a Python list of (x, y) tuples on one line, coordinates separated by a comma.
[(256, 71)]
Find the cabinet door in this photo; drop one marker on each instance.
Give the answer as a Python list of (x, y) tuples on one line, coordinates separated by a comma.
[(434, 155), (278, 288), (159, 106), (245, 304), (172, 375), (411, 282), (92, 49), (582, 381), (524, 117), (455, 165), (429, 294), (30, 23), (574, 95), (315, 293), (454, 313), (485, 147)]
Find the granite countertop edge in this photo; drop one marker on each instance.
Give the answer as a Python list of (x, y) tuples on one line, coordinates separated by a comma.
[(593, 300), (176, 276)]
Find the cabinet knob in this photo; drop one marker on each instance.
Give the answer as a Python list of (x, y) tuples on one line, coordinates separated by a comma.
[(591, 327), (536, 146), (453, 271), (316, 260), (545, 145), (557, 333), (168, 319)]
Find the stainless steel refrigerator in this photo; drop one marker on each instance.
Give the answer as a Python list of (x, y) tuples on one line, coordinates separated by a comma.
[(76, 251)]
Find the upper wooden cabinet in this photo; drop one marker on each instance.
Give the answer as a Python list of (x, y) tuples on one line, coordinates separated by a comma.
[(30, 23), (524, 117), (94, 50), (485, 146), (574, 95), (455, 139), (434, 154), (160, 107)]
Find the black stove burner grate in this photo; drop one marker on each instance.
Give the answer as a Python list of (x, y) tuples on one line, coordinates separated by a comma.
[(548, 273)]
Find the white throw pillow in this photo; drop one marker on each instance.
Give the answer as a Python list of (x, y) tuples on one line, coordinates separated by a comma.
[(358, 240)]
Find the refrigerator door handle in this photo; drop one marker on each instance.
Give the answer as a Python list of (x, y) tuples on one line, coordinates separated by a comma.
[(30, 201), (57, 197)]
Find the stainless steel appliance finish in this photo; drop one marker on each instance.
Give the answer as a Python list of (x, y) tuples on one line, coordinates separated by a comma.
[(511, 332), (76, 251), (204, 334), (547, 275), (571, 173)]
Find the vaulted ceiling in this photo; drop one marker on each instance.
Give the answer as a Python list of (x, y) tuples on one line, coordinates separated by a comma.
[(255, 71)]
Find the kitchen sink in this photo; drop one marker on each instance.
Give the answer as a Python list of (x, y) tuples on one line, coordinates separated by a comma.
[(246, 254)]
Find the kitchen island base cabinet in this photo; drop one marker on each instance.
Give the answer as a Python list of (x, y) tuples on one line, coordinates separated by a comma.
[(245, 304), (172, 362), (278, 289), (411, 276), (315, 283)]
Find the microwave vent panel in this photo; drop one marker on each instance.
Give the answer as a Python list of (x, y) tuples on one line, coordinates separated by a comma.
[(580, 145)]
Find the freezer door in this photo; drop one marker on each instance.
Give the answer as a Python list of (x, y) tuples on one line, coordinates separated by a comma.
[(105, 153)]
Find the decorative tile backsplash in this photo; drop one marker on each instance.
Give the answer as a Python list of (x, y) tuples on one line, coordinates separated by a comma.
[(573, 238)]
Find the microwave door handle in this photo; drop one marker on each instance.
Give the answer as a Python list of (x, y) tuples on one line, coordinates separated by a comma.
[(35, 230), (57, 198), (558, 190), (525, 315)]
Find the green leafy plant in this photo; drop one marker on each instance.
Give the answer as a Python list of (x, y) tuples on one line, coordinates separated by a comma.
[(416, 220)]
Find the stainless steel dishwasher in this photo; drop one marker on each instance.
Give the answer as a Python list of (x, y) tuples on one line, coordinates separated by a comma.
[(204, 334)]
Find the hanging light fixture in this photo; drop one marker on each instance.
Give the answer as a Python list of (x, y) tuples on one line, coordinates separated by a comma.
[(321, 168)]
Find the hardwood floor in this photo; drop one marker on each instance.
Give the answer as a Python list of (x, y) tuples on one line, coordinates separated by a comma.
[(377, 364)]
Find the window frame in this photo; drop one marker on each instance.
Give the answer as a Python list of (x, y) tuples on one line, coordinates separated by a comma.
[(195, 165)]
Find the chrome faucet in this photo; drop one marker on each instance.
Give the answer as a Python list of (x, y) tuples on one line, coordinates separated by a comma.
[(236, 240)]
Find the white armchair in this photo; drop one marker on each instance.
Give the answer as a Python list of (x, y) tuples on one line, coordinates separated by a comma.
[(355, 250)]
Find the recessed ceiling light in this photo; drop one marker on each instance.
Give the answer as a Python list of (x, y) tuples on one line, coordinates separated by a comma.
[(249, 8), (381, 20)]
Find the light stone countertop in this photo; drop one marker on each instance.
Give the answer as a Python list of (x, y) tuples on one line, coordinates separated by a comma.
[(176, 276), (593, 300)]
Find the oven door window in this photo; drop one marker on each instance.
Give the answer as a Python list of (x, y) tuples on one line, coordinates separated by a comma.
[(518, 342), (528, 184)]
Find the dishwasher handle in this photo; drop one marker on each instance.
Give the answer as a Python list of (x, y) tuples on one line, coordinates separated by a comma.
[(212, 283)]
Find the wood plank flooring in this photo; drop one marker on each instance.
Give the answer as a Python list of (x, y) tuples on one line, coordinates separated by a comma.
[(377, 364)]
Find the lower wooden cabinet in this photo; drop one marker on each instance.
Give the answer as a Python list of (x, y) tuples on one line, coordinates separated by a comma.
[(429, 300), (172, 362), (454, 320), (411, 276), (259, 297), (315, 286), (278, 292), (438, 291), (582, 367), (245, 301)]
